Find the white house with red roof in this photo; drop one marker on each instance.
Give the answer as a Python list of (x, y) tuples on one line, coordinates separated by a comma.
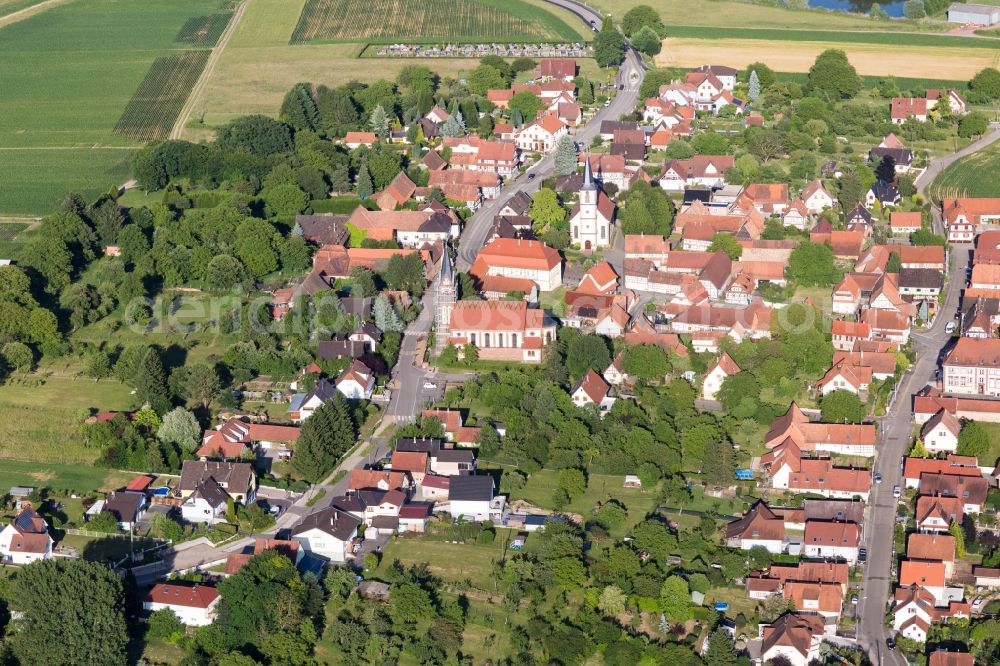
[(194, 605), (592, 390), (356, 382), (541, 135), (556, 68), (940, 433), (524, 259), (816, 197), (26, 539), (972, 367), (723, 367)]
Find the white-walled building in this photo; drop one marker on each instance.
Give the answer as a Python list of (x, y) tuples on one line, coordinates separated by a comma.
[(194, 605)]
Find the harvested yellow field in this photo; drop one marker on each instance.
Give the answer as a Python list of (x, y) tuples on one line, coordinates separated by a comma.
[(869, 59)]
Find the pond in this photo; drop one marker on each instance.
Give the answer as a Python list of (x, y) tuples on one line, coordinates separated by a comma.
[(894, 8)]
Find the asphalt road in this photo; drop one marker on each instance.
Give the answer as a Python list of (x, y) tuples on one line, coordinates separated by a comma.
[(630, 75), (896, 428)]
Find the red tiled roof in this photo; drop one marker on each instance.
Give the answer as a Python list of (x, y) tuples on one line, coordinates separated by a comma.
[(195, 596), (936, 547), (924, 574)]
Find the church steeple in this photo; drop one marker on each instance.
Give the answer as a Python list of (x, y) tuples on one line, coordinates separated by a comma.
[(445, 302), (588, 177)]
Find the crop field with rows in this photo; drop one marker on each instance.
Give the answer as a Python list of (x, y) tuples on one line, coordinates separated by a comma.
[(151, 112), (203, 30), (68, 73), (428, 20)]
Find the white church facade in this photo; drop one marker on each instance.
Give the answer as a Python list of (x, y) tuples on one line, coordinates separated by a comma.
[(592, 216)]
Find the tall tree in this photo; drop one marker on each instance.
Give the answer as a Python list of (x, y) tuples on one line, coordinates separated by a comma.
[(150, 381), (386, 318), (379, 122), (299, 110), (833, 76), (180, 427), (647, 41), (565, 160), (73, 612), (721, 651), (753, 87), (324, 438), (675, 601), (365, 188), (608, 45)]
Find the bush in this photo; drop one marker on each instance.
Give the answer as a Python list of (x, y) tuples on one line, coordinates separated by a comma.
[(166, 625)]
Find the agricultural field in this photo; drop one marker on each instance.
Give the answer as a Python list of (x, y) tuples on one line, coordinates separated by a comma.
[(68, 74), (259, 64), (736, 14), (8, 7), (959, 63), (972, 176), (12, 234), (405, 20), (849, 36), (203, 31), (151, 112)]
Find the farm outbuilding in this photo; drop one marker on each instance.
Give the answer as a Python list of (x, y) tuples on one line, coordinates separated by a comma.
[(965, 13)]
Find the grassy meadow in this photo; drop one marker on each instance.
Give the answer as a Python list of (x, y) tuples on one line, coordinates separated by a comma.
[(41, 414), (68, 74)]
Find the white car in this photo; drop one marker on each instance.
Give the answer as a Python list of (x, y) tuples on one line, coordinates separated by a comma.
[(950, 328), (896, 492), (430, 386), (977, 604)]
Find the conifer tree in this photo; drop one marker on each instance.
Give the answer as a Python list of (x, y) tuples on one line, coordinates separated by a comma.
[(365, 188)]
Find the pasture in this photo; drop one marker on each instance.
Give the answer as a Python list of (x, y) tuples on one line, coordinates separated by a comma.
[(971, 176), (68, 74), (406, 20), (960, 63)]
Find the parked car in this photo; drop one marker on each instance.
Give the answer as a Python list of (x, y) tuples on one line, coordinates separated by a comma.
[(430, 386), (950, 328), (977, 604), (896, 492), (890, 643), (531, 176), (854, 599), (862, 555), (878, 477)]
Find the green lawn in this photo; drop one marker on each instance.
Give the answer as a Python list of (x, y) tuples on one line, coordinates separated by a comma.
[(453, 563), (83, 479), (68, 74), (41, 414), (542, 485), (971, 176)]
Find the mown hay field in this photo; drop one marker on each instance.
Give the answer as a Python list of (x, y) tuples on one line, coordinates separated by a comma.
[(971, 176), (428, 20), (67, 75), (798, 56)]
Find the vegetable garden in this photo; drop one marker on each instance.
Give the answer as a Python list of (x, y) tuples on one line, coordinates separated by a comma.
[(419, 20), (151, 112)]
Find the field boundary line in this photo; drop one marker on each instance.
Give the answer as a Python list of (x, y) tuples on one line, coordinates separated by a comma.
[(206, 72), (28, 12)]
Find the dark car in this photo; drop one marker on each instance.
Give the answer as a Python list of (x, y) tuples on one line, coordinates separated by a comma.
[(862, 555), (531, 176), (890, 643)]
